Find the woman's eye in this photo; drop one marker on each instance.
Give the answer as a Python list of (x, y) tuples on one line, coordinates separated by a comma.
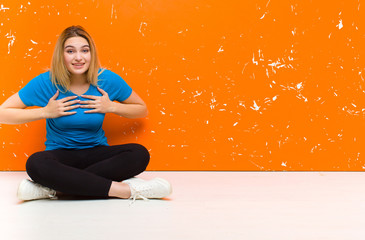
[(85, 50), (69, 51)]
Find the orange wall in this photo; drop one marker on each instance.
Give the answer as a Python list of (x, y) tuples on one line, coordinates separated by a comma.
[(230, 85)]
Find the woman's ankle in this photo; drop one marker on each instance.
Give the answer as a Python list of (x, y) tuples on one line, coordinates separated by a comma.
[(119, 190)]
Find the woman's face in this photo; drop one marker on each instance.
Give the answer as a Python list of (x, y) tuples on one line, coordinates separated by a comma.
[(77, 55)]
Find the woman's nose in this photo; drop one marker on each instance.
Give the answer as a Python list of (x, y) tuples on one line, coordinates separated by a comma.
[(78, 56)]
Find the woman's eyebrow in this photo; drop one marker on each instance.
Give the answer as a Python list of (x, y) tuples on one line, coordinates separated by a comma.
[(74, 46)]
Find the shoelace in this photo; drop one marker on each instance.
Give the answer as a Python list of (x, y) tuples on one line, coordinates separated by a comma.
[(53, 197), (48, 192), (137, 194)]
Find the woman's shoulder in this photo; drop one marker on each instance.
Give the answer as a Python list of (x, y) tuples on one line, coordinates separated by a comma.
[(43, 75), (108, 77), (106, 73), (43, 78)]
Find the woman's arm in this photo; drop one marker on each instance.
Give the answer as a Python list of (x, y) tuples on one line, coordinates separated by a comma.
[(132, 107), (13, 111)]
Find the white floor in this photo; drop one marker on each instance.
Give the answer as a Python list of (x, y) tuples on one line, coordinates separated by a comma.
[(204, 205)]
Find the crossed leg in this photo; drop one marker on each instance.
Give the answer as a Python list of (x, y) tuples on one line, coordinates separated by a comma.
[(95, 171)]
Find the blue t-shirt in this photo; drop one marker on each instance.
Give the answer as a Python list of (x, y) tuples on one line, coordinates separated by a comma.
[(80, 130)]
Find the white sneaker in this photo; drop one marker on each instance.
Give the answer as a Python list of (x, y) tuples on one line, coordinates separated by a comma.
[(135, 180), (155, 188), (29, 190)]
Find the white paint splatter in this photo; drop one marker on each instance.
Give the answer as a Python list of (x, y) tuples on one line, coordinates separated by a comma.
[(255, 106), (284, 164), (241, 104), (300, 85), (340, 25), (267, 4), (33, 41), (315, 148), (253, 60), (198, 93), (2, 8), (294, 31), (277, 64), (212, 101), (261, 56), (11, 41), (142, 28), (244, 68), (221, 49)]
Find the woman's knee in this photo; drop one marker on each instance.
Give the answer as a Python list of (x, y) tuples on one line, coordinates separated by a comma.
[(142, 154), (35, 164)]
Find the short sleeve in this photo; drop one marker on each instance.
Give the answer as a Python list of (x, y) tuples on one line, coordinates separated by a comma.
[(114, 85), (38, 91)]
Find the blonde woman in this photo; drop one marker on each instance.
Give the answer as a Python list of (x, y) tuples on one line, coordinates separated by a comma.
[(74, 97)]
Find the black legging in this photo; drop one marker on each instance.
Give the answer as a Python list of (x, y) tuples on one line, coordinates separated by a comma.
[(87, 172)]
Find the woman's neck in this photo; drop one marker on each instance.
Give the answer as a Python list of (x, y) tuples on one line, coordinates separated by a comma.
[(78, 79)]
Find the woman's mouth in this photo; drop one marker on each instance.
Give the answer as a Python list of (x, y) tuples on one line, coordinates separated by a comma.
[(78, 65)]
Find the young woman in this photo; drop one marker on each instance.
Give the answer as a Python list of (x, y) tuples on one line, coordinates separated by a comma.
[(74, 97)]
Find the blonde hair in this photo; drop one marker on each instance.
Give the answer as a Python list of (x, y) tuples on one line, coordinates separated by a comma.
[(59, 72)]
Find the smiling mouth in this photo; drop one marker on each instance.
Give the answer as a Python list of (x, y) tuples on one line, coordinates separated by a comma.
[(78, 65)]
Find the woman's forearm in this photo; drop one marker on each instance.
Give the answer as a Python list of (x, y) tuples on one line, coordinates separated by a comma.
[(129, 110), (19, 116)]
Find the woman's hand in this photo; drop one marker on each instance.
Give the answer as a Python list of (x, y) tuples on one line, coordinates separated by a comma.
[(99, 104), (58, 108)]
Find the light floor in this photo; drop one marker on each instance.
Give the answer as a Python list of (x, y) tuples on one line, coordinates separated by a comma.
[(204, 205)]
